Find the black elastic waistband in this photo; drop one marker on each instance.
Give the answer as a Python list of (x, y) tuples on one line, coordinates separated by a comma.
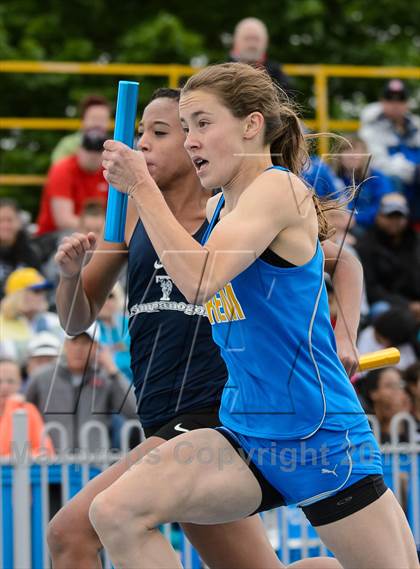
[(214, 408), (347, 502)]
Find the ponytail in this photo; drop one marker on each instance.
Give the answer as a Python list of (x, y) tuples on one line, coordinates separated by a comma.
[(288, 149), (325, 231), (288, 146)]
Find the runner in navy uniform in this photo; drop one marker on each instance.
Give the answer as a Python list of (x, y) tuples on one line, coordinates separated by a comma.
[(179, 374)]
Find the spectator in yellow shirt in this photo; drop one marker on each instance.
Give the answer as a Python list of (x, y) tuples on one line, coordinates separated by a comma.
[(24, 310)]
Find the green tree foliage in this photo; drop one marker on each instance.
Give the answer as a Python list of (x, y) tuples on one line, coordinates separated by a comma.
[(161, 39), (356, 32)]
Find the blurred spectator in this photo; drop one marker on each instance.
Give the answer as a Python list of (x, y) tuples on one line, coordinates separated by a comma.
[(70, 183), (395, 327), (10, 382), (10, 401), (392, 136), (24, 309), (321, 178), (95, 113), (114, 336), (412, 381), (76, 390), (113, 327), (16, 249), (353, 170), (342, 221), (8, 349), (43, 349), (390, 254), (383, 389), (250, 43), (92, 218)]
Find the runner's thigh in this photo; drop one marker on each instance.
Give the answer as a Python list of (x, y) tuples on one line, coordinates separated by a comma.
[(197, 477)]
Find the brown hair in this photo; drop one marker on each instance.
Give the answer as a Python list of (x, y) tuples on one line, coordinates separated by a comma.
[(412, 373), (244, 89), (9, 202), (93, 101), (166, 93)]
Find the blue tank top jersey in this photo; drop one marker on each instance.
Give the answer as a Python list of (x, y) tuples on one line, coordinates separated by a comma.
[(175, 363), (285, 380)]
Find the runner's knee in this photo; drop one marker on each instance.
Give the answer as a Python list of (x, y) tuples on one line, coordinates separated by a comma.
[(70, 530)]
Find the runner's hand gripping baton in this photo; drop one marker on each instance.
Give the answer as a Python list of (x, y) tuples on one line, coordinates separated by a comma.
[(125, 120)]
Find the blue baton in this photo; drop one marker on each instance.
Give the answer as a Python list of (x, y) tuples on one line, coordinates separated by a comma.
[(125, 120)]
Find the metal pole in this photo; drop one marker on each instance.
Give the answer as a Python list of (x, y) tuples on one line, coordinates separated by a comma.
[(321, 95), (173, 77), (21, 493)]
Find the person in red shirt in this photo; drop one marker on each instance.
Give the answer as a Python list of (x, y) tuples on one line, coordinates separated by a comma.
[(71, 182)]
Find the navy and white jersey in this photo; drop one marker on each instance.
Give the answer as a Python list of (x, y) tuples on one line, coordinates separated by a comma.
[(176, 365), (285, 380)]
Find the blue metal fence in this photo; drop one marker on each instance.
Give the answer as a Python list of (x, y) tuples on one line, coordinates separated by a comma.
[(31, 488)]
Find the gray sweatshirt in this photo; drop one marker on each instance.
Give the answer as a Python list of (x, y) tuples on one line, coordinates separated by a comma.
[(72, 401)]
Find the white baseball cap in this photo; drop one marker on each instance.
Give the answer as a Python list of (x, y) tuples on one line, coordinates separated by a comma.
[(44, 344)]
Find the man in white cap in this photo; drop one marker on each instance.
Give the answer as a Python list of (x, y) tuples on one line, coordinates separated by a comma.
[(77, 391), (43, 349), (392, 135)]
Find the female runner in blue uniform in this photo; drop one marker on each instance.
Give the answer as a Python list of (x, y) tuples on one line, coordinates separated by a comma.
[(290, 416), (179, 374)]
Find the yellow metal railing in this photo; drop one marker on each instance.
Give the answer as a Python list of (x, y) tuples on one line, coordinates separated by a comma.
[(173, 73)]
